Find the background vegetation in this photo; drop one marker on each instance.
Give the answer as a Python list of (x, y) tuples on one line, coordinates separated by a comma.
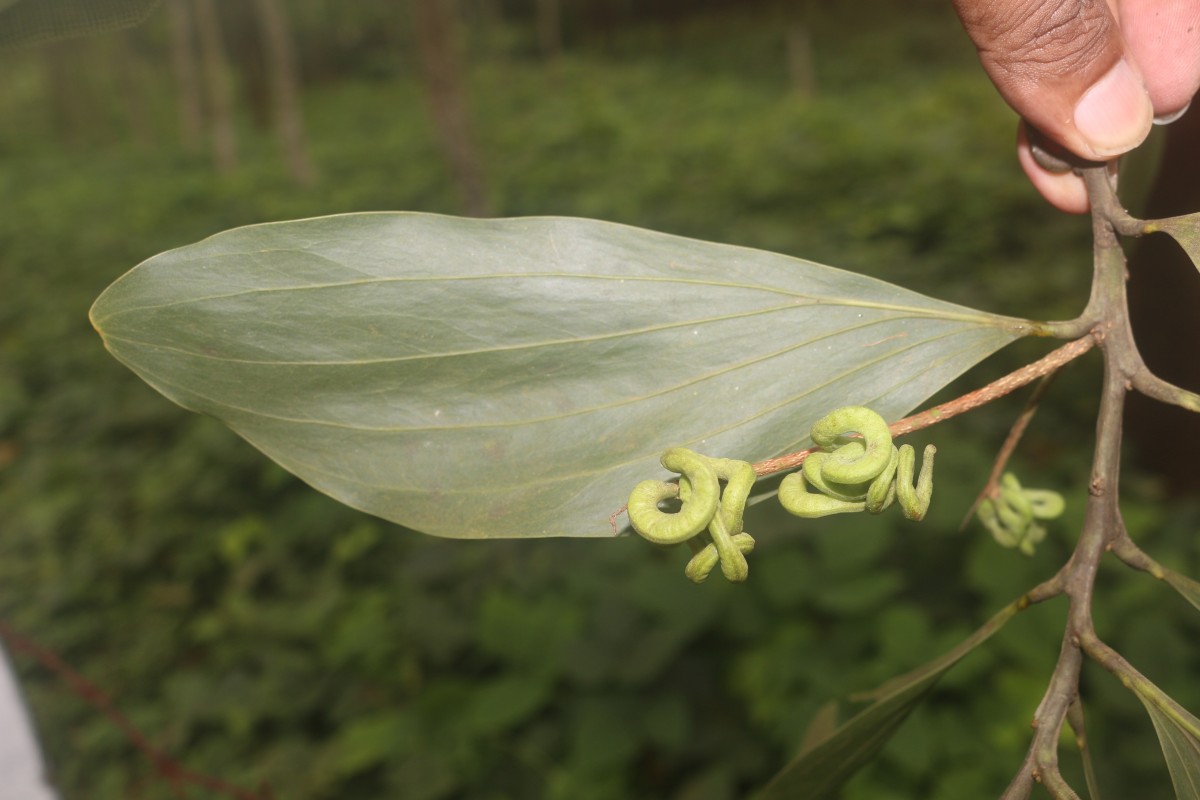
[(261, 632)]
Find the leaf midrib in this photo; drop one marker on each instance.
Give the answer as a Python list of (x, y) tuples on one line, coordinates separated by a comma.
[(942, 312), (565, 342), (702, 378)]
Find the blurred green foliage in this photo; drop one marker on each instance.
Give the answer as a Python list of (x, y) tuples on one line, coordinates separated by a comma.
[(261, 632)]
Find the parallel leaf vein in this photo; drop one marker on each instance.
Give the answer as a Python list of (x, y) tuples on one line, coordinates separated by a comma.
[(880, 356)]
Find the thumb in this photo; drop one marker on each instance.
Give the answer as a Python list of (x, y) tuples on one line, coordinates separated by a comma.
[(1062, 65)]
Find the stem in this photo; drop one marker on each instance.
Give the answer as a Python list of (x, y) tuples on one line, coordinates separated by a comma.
[(1106, 205), (167, 768), (968, 402), (1041, 761), (1009, 446), (1102, 526), (1132, 555), (1139, 684), (1155, 387)]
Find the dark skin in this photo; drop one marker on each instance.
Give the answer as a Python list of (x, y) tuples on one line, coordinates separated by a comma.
[(1086, 75)]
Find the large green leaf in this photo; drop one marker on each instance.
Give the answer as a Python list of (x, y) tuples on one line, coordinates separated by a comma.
[(830, 757), (24, 22), (1180, 740), (1178, 733), (508, 378)]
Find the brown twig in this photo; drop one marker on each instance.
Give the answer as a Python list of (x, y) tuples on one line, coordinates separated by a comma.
[(167, 768), (1156, 388), (990, 488), (1107, 315), (1132, 555), (969, 401), (1132, 679)]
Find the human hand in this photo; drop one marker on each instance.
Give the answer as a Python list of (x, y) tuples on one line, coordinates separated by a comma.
[(1087, 75)]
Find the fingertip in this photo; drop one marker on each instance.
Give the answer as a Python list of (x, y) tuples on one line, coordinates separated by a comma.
[(1115, 113), (1168, 117), (1065, 191), (1163, 38)]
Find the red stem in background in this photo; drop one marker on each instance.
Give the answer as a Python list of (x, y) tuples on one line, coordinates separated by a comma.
[(167, 768)]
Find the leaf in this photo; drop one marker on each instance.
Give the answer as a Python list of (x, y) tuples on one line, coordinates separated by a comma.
[(504, 702), (824, 765), (1185, 230), (821, 727), (515, 378), (27, 22), (1187, 587), (1075, 719), (1181, 749), (1178, 733), (372, 740), (1089, 770)]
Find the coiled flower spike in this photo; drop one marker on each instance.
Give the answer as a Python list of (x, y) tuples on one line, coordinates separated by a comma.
[(1012, 515), (858, 469), (857, 474), (704, 507)]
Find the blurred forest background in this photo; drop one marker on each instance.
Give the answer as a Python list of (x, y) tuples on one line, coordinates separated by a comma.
[(258, 631)]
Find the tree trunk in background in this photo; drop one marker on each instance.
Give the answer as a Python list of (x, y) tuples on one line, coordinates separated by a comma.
[(283, 75), (549, 28), (244, 41), (490, 24), (68, 112), (798, 30), (187, 77), (438, 30), (1164, 295), (131, 74), (216, 80)]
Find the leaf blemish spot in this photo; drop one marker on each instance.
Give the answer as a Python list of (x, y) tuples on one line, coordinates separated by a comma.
[(900, 335)]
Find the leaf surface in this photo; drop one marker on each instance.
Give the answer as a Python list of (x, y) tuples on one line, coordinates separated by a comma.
[(1185, 230), (1178, 734), (825, 764), (1184, 585), (511, 378)]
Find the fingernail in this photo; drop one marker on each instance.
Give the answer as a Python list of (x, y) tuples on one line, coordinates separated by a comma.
[(1167, 119), (1114, 115)]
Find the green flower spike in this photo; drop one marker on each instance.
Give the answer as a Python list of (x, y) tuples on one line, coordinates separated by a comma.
[(857, 474), (914, 500), (852, 460), (697, 489), (704, 507), (1011, 516), (797, 499)]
